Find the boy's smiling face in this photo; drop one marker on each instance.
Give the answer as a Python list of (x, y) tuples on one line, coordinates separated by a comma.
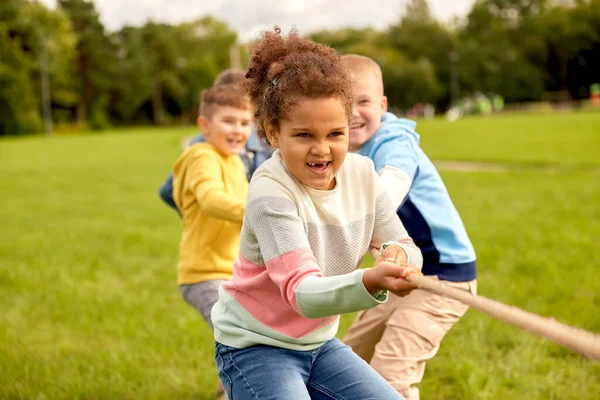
[(227, 129), (369, 106)]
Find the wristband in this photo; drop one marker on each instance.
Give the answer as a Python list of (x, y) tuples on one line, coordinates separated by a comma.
[(385, 245)]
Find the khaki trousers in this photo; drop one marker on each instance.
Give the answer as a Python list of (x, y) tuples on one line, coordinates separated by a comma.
[(398, 337)]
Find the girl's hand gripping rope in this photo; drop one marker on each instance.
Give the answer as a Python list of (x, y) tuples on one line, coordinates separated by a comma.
[(579, 340), (387, 275), (394, 278), (392, 252)]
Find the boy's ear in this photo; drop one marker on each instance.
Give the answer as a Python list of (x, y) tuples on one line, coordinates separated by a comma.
[(384, 105), (203, 123), (271, 135)]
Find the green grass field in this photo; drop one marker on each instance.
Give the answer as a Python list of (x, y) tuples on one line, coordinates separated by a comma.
[(570, 139), (89, 308)]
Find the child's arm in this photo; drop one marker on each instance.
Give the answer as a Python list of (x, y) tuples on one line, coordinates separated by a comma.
[(397, 165), (290, 262), (389, 231), (166, 192), (395, 245), (166, 189), (397, 184), (204, 179)]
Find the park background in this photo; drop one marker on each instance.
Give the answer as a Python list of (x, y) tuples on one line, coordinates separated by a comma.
[(92, 119)]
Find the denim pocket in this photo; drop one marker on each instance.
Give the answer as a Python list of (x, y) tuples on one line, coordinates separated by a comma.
[(223, 349)]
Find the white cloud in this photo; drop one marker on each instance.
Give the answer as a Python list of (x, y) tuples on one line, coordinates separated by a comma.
[(249, 17)]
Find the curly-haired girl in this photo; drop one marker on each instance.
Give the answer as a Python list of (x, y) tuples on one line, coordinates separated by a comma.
[(312, 213)]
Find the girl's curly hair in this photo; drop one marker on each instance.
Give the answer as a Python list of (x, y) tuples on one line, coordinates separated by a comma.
[(283, 70)]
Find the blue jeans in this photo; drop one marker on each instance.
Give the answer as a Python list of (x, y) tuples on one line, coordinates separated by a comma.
[(331, 371)]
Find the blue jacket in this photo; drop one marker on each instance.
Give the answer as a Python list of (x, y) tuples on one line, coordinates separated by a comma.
[(427, 211), (253, 156)]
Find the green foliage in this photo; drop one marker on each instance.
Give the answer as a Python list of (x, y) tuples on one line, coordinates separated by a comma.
[(26, 29), (348, 37), (18, 111), (427, 45), (204, 53), (133, 79), (407, 81), (515, 48), (54, 31), (95, 58), (167, 66), (523, 50), (98, 118), (490, 62)]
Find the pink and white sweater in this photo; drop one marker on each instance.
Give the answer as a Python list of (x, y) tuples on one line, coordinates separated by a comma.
[(299, 253)]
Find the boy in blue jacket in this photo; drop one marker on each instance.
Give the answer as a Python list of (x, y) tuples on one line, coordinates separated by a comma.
[(398, 337)]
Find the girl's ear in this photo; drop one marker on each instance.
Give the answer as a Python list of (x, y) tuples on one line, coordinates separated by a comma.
[(272, 134)]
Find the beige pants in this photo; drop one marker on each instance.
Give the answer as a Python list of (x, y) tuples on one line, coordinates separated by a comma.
[(398, 337)]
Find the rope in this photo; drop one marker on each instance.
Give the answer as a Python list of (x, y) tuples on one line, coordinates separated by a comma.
[(576, 339)]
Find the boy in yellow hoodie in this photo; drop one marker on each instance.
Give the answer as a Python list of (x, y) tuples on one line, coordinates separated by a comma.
[(209, 188)]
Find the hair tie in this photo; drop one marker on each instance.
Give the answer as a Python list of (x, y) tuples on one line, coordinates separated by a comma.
[(278, 78)]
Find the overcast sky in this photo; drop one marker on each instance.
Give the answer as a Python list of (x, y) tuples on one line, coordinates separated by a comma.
[(249, 17)]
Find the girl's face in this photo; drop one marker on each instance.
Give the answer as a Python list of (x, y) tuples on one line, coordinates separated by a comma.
[(313, 141)]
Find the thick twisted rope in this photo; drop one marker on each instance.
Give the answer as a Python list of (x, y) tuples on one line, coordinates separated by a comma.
[(576, 339)]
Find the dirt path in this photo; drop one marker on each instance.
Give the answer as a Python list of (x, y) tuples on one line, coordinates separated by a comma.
[(481, 166), (470, 166)]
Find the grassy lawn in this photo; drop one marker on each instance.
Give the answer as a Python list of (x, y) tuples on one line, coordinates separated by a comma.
[(570, 139), (536, 237), (89, 308)]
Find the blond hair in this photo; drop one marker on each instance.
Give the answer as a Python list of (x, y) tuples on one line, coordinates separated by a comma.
[(360, 65)]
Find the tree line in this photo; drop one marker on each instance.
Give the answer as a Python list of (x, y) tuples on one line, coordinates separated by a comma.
[(62, 65)]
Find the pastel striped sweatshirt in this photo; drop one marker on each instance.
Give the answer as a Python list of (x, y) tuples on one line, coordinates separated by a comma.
[(300, 249)]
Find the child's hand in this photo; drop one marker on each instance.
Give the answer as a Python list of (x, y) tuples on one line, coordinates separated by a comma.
[(390, 276), (402, 286), (393, 253)]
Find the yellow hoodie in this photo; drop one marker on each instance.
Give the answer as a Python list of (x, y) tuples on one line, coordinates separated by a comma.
[(210, 191)]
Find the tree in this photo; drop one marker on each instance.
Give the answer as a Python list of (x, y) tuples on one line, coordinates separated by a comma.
[(491, 62), (18, 111), (572, 33), (162, 49), (425, 42), (162, 68), (52, 33), (406, 81), (347, 37), (204, 52), (134, 79), (27, 28), (95, 62), (17, 102)]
